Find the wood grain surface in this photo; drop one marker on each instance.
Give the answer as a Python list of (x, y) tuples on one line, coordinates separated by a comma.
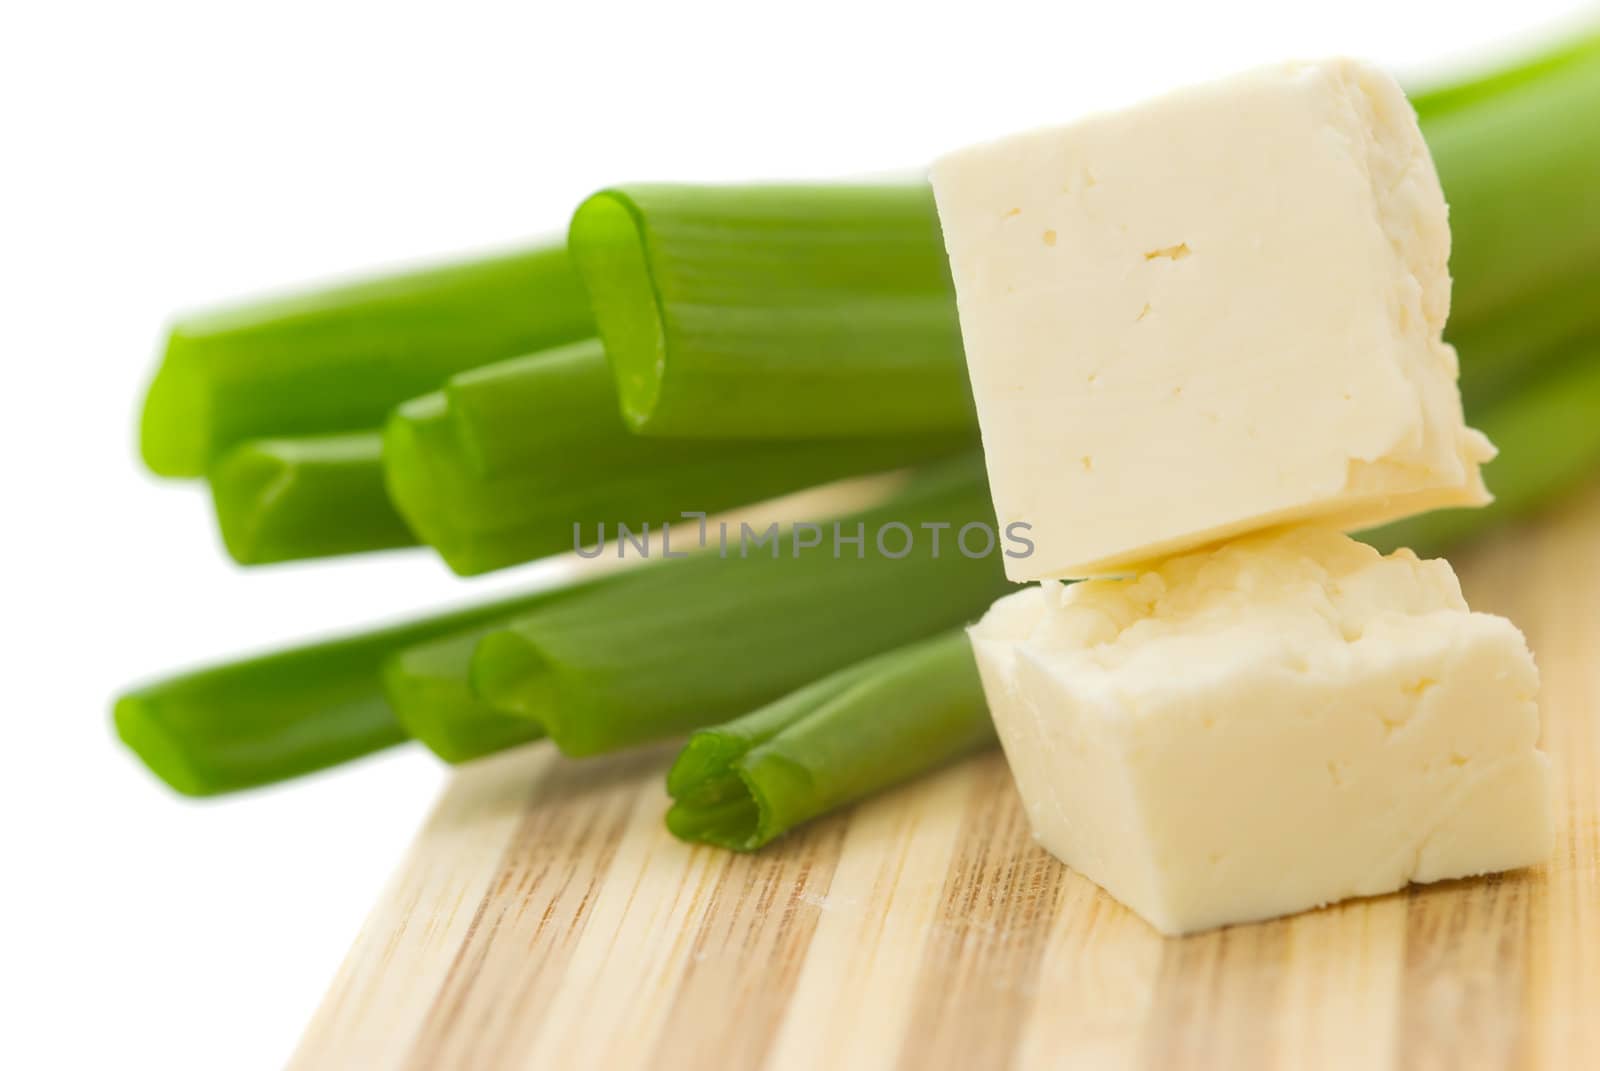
[(545, 919)]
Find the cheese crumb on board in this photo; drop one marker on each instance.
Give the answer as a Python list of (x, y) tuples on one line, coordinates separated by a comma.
[(1210, 313), (1268, 726)]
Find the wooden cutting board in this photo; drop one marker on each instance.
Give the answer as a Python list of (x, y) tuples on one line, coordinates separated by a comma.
[(545, 919)]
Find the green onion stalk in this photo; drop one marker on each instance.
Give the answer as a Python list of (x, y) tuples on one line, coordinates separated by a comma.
[(692, 642), (529, 457), (1518, 167), (271, 717), (1436, 101), (837, 740), (339, 359), (645, 652), (808, 311), (774, 311)]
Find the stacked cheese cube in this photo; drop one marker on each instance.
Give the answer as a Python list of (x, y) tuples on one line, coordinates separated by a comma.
[(1218, 316)]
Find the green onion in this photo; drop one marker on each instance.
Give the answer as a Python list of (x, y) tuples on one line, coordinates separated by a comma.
[(316, 496), (1435, 101), (339, 359), (429, 688), (1548, 433), (787, 311), (1518, 168), (812, 313), (774, 311), (689, 643), (517, 460), (1499, 353), (272, 717), (838, 740)]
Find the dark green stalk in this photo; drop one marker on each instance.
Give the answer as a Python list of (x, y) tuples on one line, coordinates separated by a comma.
[(338, 359), (280, 500), (257, 720), (515, 460), (692, 642), (832, 742)]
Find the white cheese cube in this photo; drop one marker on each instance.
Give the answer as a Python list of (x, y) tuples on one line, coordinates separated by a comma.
[(1268, 726), (1213, 312)]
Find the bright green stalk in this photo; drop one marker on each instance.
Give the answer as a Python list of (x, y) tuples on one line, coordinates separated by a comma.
[(789, 311), (515, 460), (338, 359), (1548, 433), (774, 311), (832, 742), (320, 495), (429, 688), (691, 642), (269, 718)]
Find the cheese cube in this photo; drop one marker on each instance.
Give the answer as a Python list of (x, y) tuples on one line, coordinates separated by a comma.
[(1269, 726), (1217, 311)]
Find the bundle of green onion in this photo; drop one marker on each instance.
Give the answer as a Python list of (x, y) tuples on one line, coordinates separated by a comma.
[(691, 350)]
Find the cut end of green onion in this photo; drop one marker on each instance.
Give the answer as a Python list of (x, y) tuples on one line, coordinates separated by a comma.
[(243, 485), (406, 470), (746, 782), (174, 427), (428, 688), (140, 726), (512, 676), (716, 799), (438, 729), (730, 824), (608, 246), (314, 496), (515, 677), (417, 445)]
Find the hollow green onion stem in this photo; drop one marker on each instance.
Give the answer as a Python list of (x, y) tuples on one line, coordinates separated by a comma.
[(527, 458), (832, 742), (690, 642), (268, 718), (338, 359), (280, 500), (774, 311)]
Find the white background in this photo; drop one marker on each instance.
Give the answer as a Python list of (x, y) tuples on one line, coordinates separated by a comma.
[(158, 155)]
